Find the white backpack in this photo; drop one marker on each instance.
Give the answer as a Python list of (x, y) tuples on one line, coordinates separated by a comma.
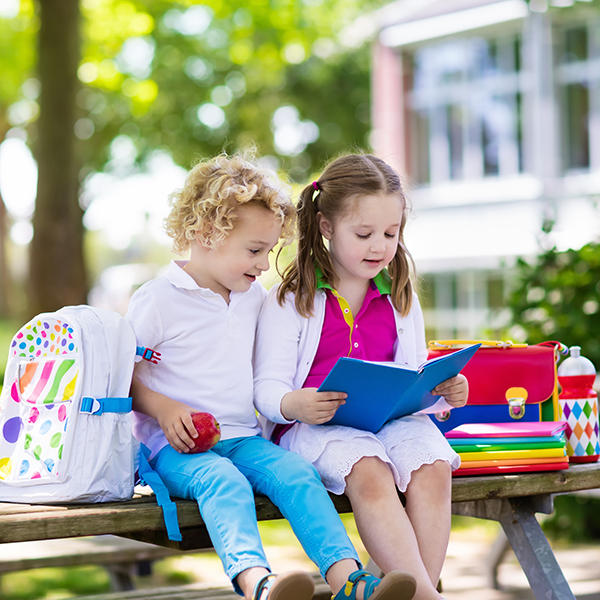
[(65, 410)]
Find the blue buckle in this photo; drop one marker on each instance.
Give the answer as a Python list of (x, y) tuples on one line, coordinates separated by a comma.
[(91, 406)]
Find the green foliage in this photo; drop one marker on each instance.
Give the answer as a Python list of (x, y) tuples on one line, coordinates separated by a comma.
[(576, 518), (238, 62), (569, 7), (190, 78), (17, 57), (149, 67), (557, 298)]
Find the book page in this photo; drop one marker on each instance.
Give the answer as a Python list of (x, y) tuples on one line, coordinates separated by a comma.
[(391, 364), (440, 406)]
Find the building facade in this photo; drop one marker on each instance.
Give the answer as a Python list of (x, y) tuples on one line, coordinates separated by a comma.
[(491, 110)]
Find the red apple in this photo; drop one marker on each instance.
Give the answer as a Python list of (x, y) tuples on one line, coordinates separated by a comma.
[(209, 432)]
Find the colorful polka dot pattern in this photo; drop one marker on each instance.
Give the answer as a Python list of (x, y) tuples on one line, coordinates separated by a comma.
[(43, 338), (36, 406)]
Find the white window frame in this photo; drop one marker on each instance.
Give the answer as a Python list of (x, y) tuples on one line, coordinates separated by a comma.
[(435, 101)]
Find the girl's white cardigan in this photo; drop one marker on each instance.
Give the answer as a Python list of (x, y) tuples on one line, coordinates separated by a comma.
[(286, 345)]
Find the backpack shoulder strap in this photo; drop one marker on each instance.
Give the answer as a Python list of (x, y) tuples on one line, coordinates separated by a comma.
[(149, 476)]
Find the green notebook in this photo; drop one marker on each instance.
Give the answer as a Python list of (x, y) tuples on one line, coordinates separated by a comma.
[(509, 441)]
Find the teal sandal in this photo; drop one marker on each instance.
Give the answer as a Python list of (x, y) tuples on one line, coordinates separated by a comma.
[(295, 585), (396, 585)]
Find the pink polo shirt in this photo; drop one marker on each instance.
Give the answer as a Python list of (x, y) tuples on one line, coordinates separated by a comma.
[(370, 335)]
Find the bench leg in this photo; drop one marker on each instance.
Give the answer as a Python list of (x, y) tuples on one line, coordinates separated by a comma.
[(121, 577), (499, 549), (533, 550), (517, 517)]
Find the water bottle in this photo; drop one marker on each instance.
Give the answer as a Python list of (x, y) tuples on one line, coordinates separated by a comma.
[(579, 407)]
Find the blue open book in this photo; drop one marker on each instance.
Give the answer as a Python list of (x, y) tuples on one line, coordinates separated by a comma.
[(381, 392)]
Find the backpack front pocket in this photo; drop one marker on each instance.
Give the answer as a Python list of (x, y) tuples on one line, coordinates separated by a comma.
[(35, 428)]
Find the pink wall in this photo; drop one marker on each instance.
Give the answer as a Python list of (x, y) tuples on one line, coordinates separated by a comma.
[(389, 137)]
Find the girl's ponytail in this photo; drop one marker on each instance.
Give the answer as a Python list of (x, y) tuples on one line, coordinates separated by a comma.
[(400, 269), (300, 277)]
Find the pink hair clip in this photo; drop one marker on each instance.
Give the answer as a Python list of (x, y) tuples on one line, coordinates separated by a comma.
[(315, 185)]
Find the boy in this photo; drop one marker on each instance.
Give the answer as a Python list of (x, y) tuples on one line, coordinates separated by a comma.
[(201, 316)]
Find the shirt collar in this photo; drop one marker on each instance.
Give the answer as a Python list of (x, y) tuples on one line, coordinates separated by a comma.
[(382, 281), (177, 276)]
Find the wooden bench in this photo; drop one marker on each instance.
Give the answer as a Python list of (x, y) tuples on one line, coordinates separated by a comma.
[(123, 558), (512, 500)]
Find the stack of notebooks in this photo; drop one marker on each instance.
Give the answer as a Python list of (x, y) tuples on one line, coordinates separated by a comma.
[(497, 448)]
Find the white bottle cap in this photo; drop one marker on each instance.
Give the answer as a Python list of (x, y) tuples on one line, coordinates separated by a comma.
[(576, 364)]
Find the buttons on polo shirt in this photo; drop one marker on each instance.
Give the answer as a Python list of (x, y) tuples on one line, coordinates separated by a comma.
[(346, 310), (400, 330), (356, 344)]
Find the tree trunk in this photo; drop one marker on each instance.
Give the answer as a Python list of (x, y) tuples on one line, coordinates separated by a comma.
[(57, 271)]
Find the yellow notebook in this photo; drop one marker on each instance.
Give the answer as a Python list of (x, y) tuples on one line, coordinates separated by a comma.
[(510, 454)]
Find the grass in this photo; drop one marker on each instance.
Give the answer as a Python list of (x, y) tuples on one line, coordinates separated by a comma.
[(51, 584)]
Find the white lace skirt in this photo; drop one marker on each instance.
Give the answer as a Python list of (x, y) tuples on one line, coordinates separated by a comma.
[(405, 445)]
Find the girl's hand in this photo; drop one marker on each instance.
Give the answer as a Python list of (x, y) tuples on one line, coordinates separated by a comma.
[(175, 419), (312, 407), (455, 390)]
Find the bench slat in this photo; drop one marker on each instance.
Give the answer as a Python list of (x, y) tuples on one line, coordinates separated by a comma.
[(141, 515), (575, 478), (100, 550)]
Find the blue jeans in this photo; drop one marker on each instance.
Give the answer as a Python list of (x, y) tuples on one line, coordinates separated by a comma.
[(223, 481)]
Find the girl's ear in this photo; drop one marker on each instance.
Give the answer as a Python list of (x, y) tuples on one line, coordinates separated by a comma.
[(325, 226)]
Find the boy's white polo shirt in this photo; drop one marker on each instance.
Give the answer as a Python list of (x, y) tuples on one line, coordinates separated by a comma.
[(206, 350)]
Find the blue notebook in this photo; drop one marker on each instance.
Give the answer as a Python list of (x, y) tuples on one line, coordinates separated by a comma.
[(381, 392)]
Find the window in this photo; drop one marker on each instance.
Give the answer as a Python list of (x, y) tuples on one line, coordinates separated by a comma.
[(465, 108), (577, 78)]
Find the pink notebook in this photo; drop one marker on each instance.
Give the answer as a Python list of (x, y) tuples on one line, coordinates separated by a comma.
[(515, 429), (510, 469)]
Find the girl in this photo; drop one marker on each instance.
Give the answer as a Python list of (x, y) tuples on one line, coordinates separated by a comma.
[(354, 298)]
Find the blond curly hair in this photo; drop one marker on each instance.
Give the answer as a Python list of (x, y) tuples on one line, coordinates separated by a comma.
[(206, 207)]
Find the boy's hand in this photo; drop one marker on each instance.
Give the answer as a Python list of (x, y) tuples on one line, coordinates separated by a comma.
[(175, 419), (312, 407), (455, 390)]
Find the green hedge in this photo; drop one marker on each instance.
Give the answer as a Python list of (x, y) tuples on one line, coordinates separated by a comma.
[(557, 297), (576, 518)]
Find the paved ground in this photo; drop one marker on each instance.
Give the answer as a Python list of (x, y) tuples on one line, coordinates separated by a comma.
[(465, 575)]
